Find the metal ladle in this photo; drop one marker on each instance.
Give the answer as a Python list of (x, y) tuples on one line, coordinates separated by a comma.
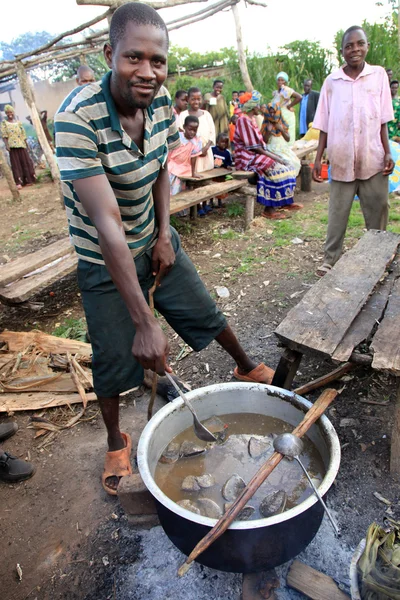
[(201, 432), (291, 446)]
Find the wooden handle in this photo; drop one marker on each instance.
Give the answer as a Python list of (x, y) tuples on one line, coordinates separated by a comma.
[(222, 525), (154, 381)]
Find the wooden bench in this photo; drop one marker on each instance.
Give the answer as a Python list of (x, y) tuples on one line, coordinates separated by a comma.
[(358, 301), (22, 278), (190, 198)]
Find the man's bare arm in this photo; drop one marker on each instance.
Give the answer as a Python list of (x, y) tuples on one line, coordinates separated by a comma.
[(163, 256), (150, 346)]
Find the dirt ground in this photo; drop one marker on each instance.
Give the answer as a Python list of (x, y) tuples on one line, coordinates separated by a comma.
[(72, 540)]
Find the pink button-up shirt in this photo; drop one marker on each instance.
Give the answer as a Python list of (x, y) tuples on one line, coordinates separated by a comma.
[(351, 112)]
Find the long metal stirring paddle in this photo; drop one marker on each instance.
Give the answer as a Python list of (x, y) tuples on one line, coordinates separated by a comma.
[(201, 432), (290, 445)]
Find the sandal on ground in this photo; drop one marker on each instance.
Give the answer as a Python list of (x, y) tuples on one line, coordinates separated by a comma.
[(293, 206), (13, 469), (277, 216), (260, 374), (323, 270), (7, 430), (117, 464)]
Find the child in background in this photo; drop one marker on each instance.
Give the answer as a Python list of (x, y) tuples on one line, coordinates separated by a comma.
[(222, 160), (234, 103), (232, 127), (182, 160)]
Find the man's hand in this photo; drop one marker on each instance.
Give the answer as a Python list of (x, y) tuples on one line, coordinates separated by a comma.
[(150, 347), (163, 257), (389, 165), (316, 174)]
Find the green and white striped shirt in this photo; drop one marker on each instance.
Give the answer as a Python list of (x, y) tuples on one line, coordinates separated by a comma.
[(91, 141)]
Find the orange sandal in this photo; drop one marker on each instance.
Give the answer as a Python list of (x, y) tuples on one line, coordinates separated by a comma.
[(117, 464), (261, 374)]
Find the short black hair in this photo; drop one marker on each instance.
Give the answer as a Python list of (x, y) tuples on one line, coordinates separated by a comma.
[(218, 81), (394, 81), (350, 30), (389, 69), (308, 79), (193, 90), (137, 12), (190, 119), (180, 93), (222, 135), (234, 92), (242, 92)]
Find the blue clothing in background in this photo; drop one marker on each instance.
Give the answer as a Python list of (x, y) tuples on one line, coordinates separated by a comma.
[(303, 115), (222, 158)]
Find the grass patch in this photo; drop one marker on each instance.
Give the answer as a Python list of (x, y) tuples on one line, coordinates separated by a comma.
[(226, 235), (234, 209), (74, 329)]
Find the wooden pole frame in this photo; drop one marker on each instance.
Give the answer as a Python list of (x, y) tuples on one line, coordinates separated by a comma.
[(6, 171)]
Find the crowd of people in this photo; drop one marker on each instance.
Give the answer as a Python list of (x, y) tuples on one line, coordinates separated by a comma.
[(257, 137)]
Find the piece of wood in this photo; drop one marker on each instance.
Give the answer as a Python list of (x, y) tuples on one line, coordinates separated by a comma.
[(287, 369), (385, 343), (325, 379), (249, 214), (366, 320), (202, 194), (19, 340), (19, 267), (306, 178), (77, 382), (266, 469), (313, 584), (25, 288), (39, 400), (303, 152), (207, 176), (63, 384), (241, 50), (321, 319), (7, 172), (395, 445)]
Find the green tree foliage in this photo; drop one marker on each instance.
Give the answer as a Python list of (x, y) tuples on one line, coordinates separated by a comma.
[(184, 59), (27, 42)]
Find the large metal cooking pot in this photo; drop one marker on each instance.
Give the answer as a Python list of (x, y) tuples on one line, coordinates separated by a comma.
[(247, 546)]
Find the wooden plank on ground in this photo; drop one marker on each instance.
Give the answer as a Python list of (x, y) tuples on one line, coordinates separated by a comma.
[(385, 343), (39, 400), (19, 340), (313, 584), (395, 445), (21, 266), (24, 288), (321, 319), (366, 320), (63, 384), (202, 194)]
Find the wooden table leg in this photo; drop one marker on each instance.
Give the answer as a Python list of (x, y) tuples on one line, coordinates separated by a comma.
[(193, 212), (287, 369), (395, 446), (249, 211), (306, 177)]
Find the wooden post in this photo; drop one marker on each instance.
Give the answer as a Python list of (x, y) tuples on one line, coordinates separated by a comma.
[(395, 446), (5, 169), (28, 95), (306, 177), (241, 53)]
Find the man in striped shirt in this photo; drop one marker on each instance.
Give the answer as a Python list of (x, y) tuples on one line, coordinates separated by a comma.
[(112, 142)]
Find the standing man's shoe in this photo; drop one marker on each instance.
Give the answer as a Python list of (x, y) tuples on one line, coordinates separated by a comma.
[(7, 430)]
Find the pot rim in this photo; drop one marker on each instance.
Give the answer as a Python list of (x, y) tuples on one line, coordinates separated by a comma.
[(178, 405)]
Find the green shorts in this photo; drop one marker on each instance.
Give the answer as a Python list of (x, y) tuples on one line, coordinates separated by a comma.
[(182, 299)]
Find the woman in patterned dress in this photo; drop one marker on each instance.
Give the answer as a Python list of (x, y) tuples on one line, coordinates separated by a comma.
[(14, 137)]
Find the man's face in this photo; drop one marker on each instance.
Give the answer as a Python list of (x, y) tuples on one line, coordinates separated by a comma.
[(182, 102), (218, 88), (355, 48), (138, 63), (389, 74), (394, 89), (191, 130), (195, 101), (307, 86), (85, 77)]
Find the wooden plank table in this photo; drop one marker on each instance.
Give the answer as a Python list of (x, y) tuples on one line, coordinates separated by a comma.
[(343, 309)]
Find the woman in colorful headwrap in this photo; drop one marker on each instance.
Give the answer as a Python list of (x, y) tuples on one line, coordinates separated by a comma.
[(276, 176), (287, 99), (14, 137), (275, 133)]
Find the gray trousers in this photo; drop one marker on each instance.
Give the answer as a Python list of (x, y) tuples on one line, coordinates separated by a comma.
[(374, 201)]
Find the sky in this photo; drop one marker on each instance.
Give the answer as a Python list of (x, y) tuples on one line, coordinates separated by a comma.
[(281, 22)]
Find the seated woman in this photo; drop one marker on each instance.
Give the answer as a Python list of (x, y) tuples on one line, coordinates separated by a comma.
[(276, 177), (275, 132)]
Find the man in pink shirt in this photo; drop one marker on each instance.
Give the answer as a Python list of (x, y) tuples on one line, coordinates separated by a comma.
[(353, 111)]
